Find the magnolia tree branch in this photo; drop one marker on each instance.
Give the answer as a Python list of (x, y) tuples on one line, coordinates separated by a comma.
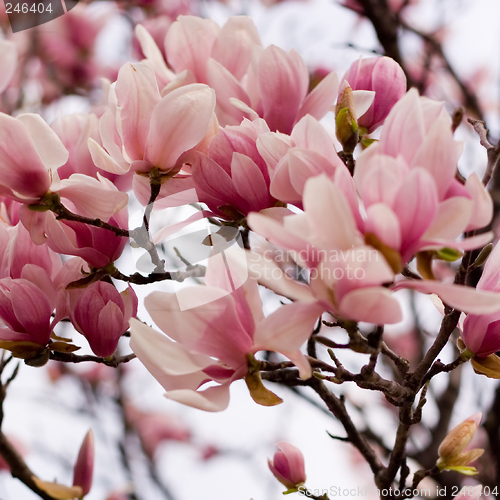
[(69, 357)]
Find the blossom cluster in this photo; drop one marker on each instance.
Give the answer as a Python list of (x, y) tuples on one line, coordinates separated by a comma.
[(234, 125)]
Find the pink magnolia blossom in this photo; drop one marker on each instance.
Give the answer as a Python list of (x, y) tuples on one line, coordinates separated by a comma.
[(26, 309), (308, 151), (385, 77), (84, 466), (27, 303), (30, 153), (18, 250), (142, 130), (407, 183), (344, 274), (211, 342), (248, 81), (287, 465), (481, 333), (74, 130), (89, 197), (101, 314), (233, 173)]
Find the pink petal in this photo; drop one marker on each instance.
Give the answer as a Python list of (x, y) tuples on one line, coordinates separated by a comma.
[(178, 123), (138, 94), (404, 130), (482, 211), (211, 399), (439, 154), (415, 206), (226, 86), (463, 298), (249, 182), (234, 45), (200, 327), (322, 97), (283, 81), (339, 229), (373, 305), (273, 147), (189, 44), (33, 309), (310, 134), (21, 167)]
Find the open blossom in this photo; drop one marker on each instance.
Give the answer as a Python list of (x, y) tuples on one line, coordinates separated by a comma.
[(386, 78), (101, 314), (30, 153), (345, 275), (142, 130), (249, 81), (287, 465), (407, 183), (212, 341)]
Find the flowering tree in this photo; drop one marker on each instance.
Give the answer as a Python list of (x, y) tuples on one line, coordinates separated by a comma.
[(298, 245)]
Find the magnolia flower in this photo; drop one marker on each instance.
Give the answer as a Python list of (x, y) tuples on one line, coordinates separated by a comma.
[(84, 466), (142, 130), (30, 153), (345, 275), (452, 454), (287, 466), (101, 314), (214, 335), (407, 184), (386, 78), (233, 177)]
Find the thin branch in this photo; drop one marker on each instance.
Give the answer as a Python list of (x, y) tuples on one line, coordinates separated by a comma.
[(492, 151), (68, 357)]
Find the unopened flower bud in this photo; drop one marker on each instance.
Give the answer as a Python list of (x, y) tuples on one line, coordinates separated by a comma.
[(346, 126), (84, 466), (288, 466), (451, 451), (386, 78)]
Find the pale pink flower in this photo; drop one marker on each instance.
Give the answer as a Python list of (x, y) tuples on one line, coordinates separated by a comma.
[(101, 314), (385, 77), (211, 342), (481, 333), (345, 275), (308, 152), (74, 130), (233, 173), (407, 183), (288, 466), (30, 153)]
